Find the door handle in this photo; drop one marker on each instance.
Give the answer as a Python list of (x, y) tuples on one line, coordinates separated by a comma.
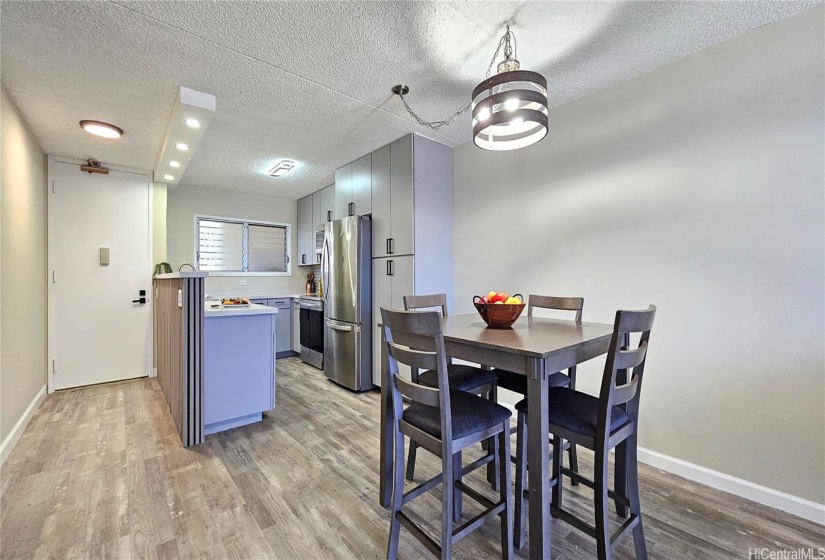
[(390, 268), (140, 300)]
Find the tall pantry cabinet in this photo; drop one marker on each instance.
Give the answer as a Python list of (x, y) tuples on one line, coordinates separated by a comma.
[(412, 226)]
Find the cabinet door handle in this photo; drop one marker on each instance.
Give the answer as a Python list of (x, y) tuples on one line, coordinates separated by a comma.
[(303, 259), (392, 245), (329, 215), (389, 250), (390, 268), (351, 208)]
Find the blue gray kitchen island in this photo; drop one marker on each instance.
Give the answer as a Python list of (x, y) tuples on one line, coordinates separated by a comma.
[(239, 348)]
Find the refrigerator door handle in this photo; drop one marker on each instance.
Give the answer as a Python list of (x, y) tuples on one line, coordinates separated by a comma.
[(339, 327), (325, 267)]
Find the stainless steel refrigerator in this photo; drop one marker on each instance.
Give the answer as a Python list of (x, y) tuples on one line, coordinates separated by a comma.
[(346, 276)]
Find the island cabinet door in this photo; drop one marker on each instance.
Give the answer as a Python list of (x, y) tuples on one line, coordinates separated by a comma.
[(238, 367)]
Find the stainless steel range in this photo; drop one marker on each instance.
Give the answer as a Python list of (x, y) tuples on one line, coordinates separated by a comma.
[(312, 330)]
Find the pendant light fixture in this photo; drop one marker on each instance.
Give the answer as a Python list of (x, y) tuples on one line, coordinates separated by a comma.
[(509, 109)]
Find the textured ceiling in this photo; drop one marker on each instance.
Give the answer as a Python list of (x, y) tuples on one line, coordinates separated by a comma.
[(310, 80)]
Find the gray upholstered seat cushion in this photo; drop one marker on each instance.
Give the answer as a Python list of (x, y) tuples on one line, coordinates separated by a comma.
[(470, 414), (461, 377), (518, 383), (577, 412)]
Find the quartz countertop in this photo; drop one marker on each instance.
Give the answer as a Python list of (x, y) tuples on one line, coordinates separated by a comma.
[(252, 309), (184, 274), (257, 294)]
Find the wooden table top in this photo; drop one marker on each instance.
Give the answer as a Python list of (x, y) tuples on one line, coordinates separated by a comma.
[(536, 337)]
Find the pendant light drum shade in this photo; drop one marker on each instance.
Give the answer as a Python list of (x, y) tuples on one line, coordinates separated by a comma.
[(510, 110)]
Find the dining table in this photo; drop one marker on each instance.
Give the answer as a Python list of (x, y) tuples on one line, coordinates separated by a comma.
[(535, 347)]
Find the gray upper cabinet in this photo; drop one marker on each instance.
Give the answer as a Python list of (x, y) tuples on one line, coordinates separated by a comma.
[(327, 204), (306, 232), (381, 201), (318, 215), (361, 186), (392, 199), (401, 197), (343, 192)]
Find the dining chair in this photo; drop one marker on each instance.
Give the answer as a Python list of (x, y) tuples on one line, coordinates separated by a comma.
[(598, 423), (518, 383), (444, 422), (462, 377)]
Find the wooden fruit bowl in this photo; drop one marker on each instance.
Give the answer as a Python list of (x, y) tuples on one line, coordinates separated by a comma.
[(499, 315)]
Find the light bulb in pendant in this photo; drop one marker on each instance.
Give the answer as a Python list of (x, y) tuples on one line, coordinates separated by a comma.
[(484, 114), (511, 104)]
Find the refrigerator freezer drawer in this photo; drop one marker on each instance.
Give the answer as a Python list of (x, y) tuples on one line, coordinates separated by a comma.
[(342, 355)]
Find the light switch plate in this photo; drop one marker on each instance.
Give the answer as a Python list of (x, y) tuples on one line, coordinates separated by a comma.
[(104, 256)]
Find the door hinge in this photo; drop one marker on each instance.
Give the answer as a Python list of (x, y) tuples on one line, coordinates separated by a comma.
[(53, 186), (54, 366), (53, 278)]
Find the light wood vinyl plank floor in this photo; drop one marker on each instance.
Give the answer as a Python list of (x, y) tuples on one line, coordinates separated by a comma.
[(100, 473)]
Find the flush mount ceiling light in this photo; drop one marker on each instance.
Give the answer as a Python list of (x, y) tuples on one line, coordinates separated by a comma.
[(282, 168), (509, 109), (190, 117), (100, 128)]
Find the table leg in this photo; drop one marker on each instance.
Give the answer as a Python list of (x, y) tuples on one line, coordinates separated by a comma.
[(538, 434), (385, 457)]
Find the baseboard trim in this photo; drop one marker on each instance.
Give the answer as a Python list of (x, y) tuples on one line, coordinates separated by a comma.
[(788, 503), (11, 440)]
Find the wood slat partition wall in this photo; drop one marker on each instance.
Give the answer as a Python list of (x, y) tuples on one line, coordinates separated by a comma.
[(178, 336)]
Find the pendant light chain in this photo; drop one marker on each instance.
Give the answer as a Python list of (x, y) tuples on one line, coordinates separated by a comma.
[(435, 125)]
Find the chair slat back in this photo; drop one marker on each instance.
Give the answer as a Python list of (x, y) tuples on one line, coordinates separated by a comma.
[(415, 338), (616, 389), (421, 302), (417, 303), (556, 303)]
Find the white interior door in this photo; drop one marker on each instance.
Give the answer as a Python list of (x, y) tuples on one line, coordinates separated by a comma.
[(99, 334)]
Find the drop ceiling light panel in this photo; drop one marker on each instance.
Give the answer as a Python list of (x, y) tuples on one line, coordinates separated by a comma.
[(190, 105)]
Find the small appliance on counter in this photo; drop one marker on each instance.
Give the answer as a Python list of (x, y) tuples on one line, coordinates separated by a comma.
[(346, 281)]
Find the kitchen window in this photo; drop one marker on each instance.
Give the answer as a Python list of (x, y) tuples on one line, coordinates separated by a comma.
[(229, 247)]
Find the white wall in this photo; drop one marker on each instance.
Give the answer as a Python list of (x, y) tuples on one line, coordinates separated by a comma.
[(697, 187), (185, 201), (23, 268)]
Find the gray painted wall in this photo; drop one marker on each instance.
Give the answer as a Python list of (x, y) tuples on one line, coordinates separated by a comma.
[(187, 200), (697, 187), (23, 267)]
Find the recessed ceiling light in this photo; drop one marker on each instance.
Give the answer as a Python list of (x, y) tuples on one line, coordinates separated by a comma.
[(174, 164), (99, 128), (282, 168), (181, 146), (192, 123), (168, 177)]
